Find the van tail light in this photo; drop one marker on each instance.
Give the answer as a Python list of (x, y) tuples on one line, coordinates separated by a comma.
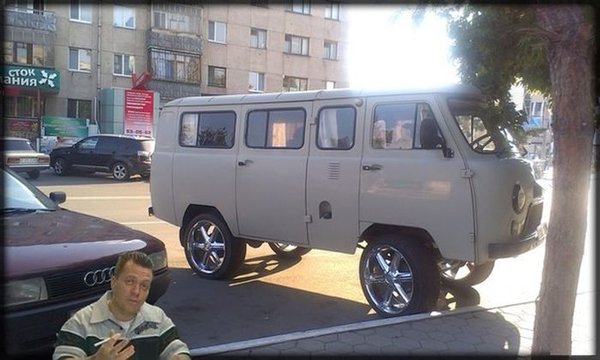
[(12, 161)]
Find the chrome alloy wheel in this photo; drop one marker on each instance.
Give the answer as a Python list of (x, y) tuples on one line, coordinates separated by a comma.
[(206, 246), (120, 172), (388, 279)]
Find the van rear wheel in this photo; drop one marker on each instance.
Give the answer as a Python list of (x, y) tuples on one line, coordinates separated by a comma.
[(399, 276), (464, 273), (288, 251), (210, 249)]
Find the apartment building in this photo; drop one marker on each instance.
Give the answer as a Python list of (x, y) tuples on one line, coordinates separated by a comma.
[(70, 65)]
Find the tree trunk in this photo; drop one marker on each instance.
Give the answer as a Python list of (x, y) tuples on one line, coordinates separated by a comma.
[(569, 52)]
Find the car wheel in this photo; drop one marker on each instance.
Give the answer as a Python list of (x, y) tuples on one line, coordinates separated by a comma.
[(464, 273), (210, 249), (399, 276), (33, 174), (120, 171), (61, 167), (288, 251)]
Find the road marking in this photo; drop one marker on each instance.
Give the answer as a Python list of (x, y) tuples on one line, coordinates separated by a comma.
[(141, 197)]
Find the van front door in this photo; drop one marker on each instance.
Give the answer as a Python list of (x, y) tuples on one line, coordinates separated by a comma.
[(332, 178), (405, 178), (271, 173)]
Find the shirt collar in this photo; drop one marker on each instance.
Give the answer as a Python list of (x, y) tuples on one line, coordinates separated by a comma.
[(100, 312)]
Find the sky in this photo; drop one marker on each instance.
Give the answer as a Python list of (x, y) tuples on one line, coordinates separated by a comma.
[(387, 53)]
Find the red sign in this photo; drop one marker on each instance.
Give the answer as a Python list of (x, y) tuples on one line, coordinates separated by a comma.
[(138, 112)]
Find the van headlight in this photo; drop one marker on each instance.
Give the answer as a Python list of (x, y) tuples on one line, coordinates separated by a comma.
[(518, 198), (25, 291), (159, 260)]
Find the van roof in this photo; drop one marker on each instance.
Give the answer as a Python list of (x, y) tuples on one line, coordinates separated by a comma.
[(316, 95)]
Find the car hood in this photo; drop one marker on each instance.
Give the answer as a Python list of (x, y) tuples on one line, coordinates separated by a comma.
[(36, 243)]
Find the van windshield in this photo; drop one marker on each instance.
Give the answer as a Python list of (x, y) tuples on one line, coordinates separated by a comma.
[(482, 134)]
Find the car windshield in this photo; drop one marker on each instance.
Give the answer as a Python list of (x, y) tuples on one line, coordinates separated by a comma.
[(473, 120), (17, 145), (20, 196)]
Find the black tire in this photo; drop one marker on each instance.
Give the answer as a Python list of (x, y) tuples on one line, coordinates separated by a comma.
[(407, 282), (61, 167), (210, 249), (120, 171), (288, 251), (464, 273), (33, 174)]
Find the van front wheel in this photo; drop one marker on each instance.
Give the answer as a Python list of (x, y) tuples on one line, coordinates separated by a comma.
[(210, 249), (399, 276)]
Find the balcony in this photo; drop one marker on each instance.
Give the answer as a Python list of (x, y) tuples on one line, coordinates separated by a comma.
[(30, 19), (188, 43)]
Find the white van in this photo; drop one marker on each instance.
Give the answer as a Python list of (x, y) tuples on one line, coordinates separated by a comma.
[(419, 180)]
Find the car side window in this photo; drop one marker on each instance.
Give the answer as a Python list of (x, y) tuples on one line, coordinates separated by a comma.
[(336, 128), (106, 144), (276, 128), (88, 144), (214, 129)]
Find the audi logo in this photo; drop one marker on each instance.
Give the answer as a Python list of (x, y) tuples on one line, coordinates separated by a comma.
[(98, 277)]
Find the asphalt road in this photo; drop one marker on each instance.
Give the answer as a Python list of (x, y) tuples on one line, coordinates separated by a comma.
[(274, 297)]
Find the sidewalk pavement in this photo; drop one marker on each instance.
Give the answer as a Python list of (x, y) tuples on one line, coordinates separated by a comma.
[(473, 330)]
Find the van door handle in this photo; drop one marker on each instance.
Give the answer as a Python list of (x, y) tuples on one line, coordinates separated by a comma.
[(245, 162), (373, 167)]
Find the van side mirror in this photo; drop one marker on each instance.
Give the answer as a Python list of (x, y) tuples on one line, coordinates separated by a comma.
[(448, 153), (58, 197)]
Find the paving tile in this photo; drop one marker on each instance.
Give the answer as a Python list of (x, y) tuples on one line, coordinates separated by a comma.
[(366, 349), (351, 338), (415, 334), (313, 344), (433, 345), (441, 335), (381, 339), (338, 348)]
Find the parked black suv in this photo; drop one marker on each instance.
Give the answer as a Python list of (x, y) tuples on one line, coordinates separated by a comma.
[(121, 155)]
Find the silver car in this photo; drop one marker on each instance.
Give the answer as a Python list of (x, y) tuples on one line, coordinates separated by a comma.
[(20, 156)]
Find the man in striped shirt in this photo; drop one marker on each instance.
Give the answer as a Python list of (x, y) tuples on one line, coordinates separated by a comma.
[(121, 325)]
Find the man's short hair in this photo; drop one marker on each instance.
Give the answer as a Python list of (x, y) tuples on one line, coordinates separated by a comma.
[(138, 258)]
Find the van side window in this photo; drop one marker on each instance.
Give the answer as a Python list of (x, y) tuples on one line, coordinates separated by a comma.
[(207, 129), (336, 128), (393, 126), (428, 132), (281, 129)]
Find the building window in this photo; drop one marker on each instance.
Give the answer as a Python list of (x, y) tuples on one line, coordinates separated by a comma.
[(329, 84), (81, 109), (24, 53), (332, 10), (208, 129), (124, 17), (174, 22), (280, 129), (295, 45), (80, 59), (123, 65), (258, 38), (330, 50), (294, 84), (81, 11), (21, 106), (217, 32), (299, 6), (256, 81), (168, 65), (217, 76)]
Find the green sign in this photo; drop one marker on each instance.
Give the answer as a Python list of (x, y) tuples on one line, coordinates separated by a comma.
[(64, 126), (31, 77)]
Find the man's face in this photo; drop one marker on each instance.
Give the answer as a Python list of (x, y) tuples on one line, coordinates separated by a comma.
[(130, 290)]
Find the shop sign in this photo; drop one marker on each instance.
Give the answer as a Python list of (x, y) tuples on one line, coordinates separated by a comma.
[(31, 77), (64, 126), (138, 112)]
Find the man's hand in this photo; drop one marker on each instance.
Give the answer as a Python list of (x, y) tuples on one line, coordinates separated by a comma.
[(116, 348)]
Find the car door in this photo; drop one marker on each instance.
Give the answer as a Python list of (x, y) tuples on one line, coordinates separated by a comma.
[(405, 183), (332, 189), (271, 173), (83, 153), (105, 151)]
